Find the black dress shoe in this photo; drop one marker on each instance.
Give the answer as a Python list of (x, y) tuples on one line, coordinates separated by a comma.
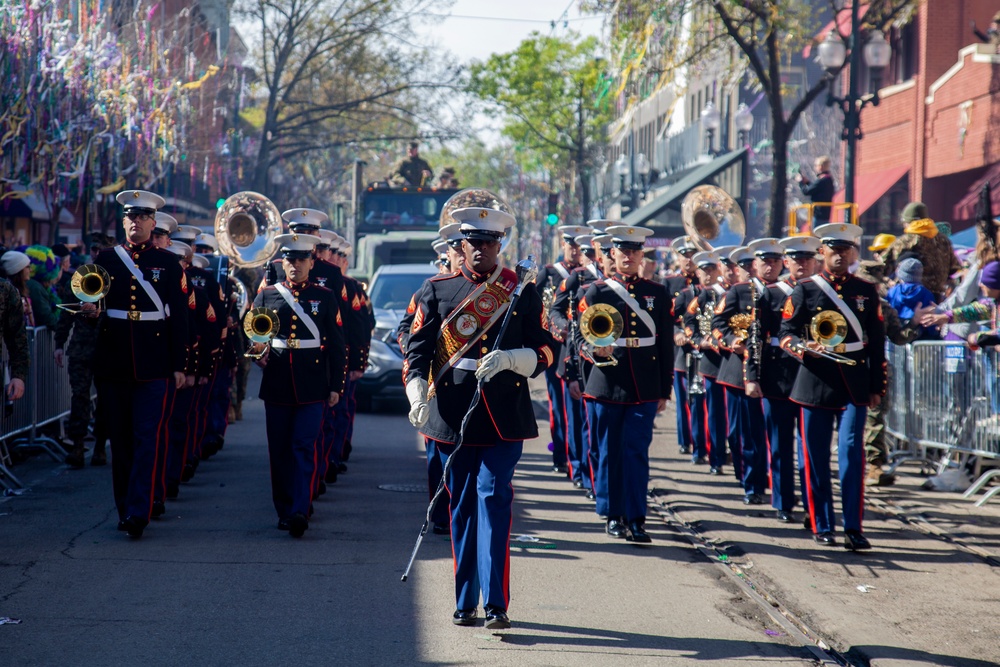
[(322, 488), (346, 455), (283, 524), (559, 469), (637, 533), (134, 526), (699, 461), (577, 483), (173, 490), (441, 529), (76, 458), (159, 509), (341, 467), (496, 619), (590, 494), (297, 524), (615, 528), (753, 499), (826, 539), (683, 450), (783, 516), (807, 522), (465, 617), (855, 541), (189, 468), (331, 475), (714, 470), (121, 525), (99, 457)]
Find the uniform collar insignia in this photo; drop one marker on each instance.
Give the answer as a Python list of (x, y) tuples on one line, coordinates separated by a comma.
[(136, 247)]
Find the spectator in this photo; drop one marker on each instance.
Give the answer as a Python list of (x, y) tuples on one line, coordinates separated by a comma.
[(820, 190), (922, 239), (992, 34), (880, 244), (909, 294), (984, 309), (17, 266), (45, 272)]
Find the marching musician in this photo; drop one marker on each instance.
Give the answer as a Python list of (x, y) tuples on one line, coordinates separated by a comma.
[(684, 249), (304, 369), (141, 351), (571, 368), (452, 235), (455, 325), (629, 394), (824, 388), (737, 322), (440, 247), (773, 373), (546, 283)]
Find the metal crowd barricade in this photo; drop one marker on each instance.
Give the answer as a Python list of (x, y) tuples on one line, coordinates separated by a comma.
[(944, 396), (46, 399)]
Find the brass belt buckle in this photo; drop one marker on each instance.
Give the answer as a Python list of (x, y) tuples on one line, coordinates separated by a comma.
[(135, 315), (631, 342), (293, 343)]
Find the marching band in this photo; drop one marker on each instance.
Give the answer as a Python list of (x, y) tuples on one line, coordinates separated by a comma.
[(767, 348)]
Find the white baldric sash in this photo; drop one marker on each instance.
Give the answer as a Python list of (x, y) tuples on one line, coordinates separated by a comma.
[(620, 290), (594, 271), (561, 270), (146, 287), (842, 306), (297, 309), (785, 287)]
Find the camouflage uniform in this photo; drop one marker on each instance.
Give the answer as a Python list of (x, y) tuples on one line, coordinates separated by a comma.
[(410, 172), (80, 365), (936, 254), (15, 337)]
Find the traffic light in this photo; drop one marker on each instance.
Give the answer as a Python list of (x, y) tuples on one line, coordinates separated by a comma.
[(553, 217)]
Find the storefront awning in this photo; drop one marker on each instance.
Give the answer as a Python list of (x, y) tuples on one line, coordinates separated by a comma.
[(965, 209), (870, 187), (32, 206)]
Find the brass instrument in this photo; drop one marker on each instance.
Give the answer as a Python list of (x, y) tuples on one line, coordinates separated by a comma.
[(740, 323), (829, 329), (696, 381), (755, 344), (240, 296), (90, 283), (548, 296), (482, 198), (246, 226), (601, 325), (260, 325), (709, 214)]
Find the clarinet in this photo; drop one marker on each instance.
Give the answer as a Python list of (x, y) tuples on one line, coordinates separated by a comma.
[(573, 363), (754, 342)]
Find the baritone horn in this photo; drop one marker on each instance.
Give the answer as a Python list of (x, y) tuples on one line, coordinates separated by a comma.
[(90, 283), (246, 226), (829, 329), (260, 325), (710, 216), (601, 325)]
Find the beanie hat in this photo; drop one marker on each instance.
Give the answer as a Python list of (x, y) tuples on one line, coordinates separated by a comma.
[(13, 262), (990, 276), (44, 265), (944, 228), (60, 250), (924, 227), (910, 270), (915, 210)]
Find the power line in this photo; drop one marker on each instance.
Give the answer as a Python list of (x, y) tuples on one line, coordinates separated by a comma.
[(510, 19)]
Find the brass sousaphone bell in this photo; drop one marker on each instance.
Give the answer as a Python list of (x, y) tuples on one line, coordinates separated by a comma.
[(90, 283), (260, 325), (478, 197), (601, 325), (246, 226), (711, 216)]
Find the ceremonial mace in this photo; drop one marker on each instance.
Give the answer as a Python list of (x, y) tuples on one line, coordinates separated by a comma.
[(526, 271)]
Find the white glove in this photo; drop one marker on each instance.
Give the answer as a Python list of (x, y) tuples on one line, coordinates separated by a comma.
[(416, 393), (522, 361)]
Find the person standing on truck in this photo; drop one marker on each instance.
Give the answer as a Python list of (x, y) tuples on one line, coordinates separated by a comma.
[(413, 170)]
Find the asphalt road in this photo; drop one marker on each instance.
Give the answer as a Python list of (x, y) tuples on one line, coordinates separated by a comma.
[(215, 583)]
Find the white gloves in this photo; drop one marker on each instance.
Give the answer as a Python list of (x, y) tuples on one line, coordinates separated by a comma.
[(522, 361), (416, 393)]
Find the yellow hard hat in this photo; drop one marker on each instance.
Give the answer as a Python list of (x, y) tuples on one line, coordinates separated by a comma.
[(881, 242)]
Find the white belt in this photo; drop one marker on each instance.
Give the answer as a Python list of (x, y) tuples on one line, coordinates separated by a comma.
[(846, 347), (135, 315), (635, 342), (294, 343), (466, 364)]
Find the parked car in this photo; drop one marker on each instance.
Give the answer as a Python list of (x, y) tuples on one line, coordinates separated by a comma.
[(390, 291)]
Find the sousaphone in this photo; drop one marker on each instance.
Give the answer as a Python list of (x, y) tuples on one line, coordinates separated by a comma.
[(480, 197), (245, 227), (712, 218)]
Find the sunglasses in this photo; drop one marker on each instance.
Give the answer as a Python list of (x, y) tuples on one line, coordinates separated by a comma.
[(139, 215)]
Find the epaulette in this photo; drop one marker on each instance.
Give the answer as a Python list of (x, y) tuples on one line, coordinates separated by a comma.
[(442, 276)]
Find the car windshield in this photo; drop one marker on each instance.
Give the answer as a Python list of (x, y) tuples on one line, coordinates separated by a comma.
[(392, 291)]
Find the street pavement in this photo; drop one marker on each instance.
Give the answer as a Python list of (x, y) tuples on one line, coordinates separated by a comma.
[(215, 583)]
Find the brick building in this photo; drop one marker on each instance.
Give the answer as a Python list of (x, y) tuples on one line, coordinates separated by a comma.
[(935, 137)]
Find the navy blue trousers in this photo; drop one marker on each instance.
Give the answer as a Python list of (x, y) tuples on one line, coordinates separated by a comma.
[(482, 499), (684, 416), (179, 447), (817, 427), (435, 469), (733, 430), (291, 445), (754, 440), (557, 416), (716, 425), (697, 410), (779, 422), (593, 447), (218, 405), (138, 441), (576, 424), (624, 433), (351, 390)]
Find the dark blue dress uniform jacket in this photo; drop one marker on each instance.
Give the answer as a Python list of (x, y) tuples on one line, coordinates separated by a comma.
[(737, 301), (703, 300), (567, 297), (143, 349), (294, 376), (505, 411), (776, 371), (824, 383), (643, 373), (675, 287)]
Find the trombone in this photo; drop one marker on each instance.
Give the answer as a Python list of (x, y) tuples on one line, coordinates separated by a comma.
[(829, 329), (260, 325), (601, 325), (90, 283)]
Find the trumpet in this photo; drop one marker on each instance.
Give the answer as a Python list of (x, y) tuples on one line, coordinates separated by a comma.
[(601, 325), (260, 325), (90, 283), (829, 329)]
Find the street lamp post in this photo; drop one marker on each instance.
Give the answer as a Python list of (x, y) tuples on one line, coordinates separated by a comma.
[(744, 123), (832, 54), (711, 120)]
